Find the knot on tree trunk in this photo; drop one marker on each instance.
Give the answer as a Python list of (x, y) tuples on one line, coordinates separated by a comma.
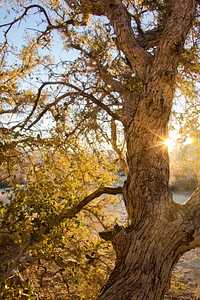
[(106, 235), (118, 237)]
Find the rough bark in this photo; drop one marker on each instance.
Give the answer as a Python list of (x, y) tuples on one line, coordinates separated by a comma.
[(147, 253)]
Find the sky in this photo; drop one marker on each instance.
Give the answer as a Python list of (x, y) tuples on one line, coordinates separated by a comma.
[(33, 22)]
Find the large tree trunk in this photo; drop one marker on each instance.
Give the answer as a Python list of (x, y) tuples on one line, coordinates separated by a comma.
[(159, 231), (158, 234), (146, 256)]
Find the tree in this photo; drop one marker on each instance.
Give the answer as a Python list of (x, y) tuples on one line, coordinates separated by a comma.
[(130, 55)]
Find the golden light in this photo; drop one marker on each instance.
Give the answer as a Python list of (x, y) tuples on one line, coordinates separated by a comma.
[(171, 144), (188, 141)]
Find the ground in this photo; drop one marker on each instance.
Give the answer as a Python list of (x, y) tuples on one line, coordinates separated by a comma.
[(186, 278)]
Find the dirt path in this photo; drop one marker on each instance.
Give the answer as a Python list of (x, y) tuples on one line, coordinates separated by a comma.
[(186, 278), (186, 275)]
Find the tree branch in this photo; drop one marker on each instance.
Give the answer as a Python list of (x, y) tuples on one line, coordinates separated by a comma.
[(193, 205), (70, 213), (10, 111), (65, 214), (150, 38), (11, 24), (174, 34), (115, 147), (17, 259), (116, 85), (192, 214), (48, 106), (78, 93), (120, 19), (106, 77), (101, 105), (41, 9)]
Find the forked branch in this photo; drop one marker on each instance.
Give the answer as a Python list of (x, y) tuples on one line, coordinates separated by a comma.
[(40, 9), (70, 213), (120, 19), (77, 92), (175, 32)]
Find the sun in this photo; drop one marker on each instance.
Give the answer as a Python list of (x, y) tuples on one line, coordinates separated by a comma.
[(171, 144)]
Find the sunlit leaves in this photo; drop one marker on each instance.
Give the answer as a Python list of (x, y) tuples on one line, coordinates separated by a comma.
[(70, 251)]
